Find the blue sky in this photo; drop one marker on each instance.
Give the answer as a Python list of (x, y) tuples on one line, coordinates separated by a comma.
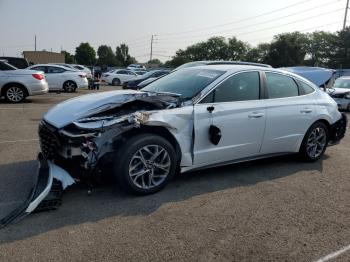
[(177, 24)]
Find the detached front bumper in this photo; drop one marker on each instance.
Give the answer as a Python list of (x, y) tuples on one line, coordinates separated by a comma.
[(48, 174), (338, 130)]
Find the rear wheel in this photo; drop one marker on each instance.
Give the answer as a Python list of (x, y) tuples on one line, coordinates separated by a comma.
[(116, 82), (315, 142), (145, 164), (15, 94), (69, 86)]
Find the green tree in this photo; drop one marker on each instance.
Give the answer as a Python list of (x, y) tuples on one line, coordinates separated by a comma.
[(154, 61), (321, 47), (341, 56), (237, 50), (106, 56), (68, 58), (258, 54), (288, 49), (85, 54), (177, 60), (123, 57)]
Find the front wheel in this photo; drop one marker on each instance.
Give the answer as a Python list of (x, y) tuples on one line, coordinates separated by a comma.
[(315, 142), (145, 164)]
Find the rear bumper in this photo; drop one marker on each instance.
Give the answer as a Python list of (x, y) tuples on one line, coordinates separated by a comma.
[(47, 172), (338, 130)]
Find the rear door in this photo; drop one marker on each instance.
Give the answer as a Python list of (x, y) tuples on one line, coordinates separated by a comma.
[(289, 114), (234, 113), (55, 77)]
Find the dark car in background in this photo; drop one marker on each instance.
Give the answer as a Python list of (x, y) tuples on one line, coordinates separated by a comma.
[(154, 74), (18, 62)]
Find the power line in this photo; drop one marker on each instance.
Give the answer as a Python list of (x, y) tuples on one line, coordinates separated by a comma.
[(239, 21), (260, 23)]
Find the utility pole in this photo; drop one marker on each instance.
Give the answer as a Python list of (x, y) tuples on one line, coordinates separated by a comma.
[(346, 13), (35, 43), (150, 57)]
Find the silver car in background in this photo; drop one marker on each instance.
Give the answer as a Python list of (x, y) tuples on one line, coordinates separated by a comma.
[(17, 84), (62, 78), (340, 92)]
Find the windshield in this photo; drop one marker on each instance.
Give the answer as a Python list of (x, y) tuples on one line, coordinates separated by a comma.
[(342, 83), (187, 82), (147, 74)]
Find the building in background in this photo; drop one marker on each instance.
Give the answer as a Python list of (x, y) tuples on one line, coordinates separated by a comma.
[(43, 57)]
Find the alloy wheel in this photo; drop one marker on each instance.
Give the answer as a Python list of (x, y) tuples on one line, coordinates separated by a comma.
[(316, 142), (69, 86), (15, 94), (149, 166)]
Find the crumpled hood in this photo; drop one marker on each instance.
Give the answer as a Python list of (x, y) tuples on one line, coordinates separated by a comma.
[(91, 104), (75, 108)]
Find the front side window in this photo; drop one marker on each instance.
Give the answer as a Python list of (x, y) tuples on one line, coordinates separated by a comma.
[(279, 86), (241, 87)]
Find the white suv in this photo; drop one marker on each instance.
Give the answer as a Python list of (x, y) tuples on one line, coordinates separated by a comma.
[(61, 78)]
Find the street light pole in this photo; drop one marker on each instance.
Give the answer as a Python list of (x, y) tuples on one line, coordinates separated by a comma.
[(346, 13)]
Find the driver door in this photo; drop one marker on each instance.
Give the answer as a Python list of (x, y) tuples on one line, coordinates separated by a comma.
[(234, 111)]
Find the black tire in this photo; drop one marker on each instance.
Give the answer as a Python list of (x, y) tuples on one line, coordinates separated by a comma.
[(125, 156), (69, 86), (116, 82), (348, 108), (15, 93), (304, 148)]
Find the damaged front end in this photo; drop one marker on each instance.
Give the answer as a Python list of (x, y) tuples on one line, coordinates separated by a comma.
[(77, 146), (45, 194)]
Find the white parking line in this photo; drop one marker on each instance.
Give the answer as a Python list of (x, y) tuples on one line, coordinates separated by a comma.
[(334, 254), (18, 141)]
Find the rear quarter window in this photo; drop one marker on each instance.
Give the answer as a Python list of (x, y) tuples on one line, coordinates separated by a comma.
[(305, 88)]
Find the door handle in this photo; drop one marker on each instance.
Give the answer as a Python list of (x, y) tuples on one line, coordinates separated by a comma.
[(256, 115), (210, 109), (306, 111)]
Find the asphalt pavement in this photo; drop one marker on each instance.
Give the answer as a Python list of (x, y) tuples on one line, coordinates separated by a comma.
[(278, 209)]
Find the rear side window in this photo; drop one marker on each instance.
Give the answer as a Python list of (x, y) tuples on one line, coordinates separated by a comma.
[(39, 68), (55, 70), (241, 87), (279, 86), (305, 88)]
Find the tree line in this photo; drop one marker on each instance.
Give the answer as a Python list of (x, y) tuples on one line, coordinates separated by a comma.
[(319, 48), (85, 54)]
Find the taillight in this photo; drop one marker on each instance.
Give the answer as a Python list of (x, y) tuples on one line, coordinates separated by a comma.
[(82, 76), (38, 76)]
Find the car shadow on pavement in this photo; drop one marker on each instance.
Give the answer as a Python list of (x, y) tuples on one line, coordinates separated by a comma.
[(106, 201)]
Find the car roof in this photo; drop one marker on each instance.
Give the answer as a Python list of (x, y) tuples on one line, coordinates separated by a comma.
[(232, 67), (60, 66)]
